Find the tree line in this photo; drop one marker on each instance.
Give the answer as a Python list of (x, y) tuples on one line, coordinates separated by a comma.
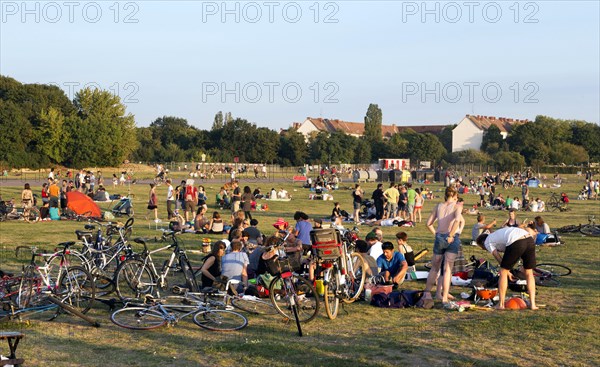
[(42, 127)]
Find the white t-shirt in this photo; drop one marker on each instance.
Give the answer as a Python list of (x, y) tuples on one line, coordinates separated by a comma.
[(387, 223), (375, 251), (170, 193), (504, 237)]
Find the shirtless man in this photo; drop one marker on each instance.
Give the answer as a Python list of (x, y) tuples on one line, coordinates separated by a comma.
[(446, 245)]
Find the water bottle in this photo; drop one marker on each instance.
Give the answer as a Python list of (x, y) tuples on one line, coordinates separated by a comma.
[(368, 294)]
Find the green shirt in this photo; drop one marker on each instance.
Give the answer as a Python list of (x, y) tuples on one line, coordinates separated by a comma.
[(412, 194)]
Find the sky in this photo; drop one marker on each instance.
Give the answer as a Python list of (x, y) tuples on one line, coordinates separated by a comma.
[(274, 63)]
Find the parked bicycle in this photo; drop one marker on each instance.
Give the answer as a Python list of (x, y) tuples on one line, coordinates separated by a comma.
[(293, 296), (556, 203), (138, 276), (344, 271), (171, 310), (71, 285)]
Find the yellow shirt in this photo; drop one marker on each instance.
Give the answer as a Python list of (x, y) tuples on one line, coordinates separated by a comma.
[(392, 194)]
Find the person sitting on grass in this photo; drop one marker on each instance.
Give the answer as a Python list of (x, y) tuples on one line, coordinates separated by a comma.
[(480, 227), (392, 265), (514, 243), (363, 248), (234, 266), (211, 267)]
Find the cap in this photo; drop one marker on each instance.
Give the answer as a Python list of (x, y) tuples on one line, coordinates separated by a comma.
[(371, 236)]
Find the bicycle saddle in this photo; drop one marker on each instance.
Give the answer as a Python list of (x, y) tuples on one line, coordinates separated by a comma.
[(82, 234), (66, 244), (209, 290)]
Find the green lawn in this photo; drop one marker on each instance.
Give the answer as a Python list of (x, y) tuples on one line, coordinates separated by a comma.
[(565, 332)]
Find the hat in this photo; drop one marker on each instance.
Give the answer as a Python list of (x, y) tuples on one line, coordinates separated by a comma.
[(280, 222), (371, 236), (318, 220)]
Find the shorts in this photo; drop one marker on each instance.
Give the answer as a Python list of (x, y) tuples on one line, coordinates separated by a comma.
[(417, 207), (410, 208), (392, 207), (151, 207), (53, 201), (191, 206), (356, 205), (235, 206), (524, 249), (441, 246)]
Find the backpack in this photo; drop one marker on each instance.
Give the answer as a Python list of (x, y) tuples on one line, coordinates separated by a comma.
[(485, 276), (409, 255), (380, 300)]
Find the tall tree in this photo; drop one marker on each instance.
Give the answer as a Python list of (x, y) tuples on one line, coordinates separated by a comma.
[(293, 149), (373, 122), (52, 135), (492, 140), (105, 127), (218, 121)]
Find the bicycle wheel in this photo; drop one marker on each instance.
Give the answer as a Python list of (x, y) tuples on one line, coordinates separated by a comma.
[(134, 280), (553, 204), (138, 318), (554, 269), (331, 292), (188, 273), (355, 277), (305, 297), (58, 263), (568, 229), (34, 214), (76, 289), (253, 305), (220, 320), (590, 230), (543, 279), (32, 298)]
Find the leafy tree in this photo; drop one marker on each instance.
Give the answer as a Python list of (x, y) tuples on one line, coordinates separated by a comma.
[(492, 140), (228, 118), (567, 153), (218, 121), (395, 147), (293, 148), (15, 135), (587, 135), (105, 129), (509, 161), (362, 153), (423, 147), (469, 156), (52, 135), (446, 137), (373, 122)]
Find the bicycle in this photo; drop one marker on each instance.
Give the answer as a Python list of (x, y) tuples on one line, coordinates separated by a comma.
[(344, 270), (73, 285), (138, 276), (545, 274), (100, 257), (293, 296), (590, 229), (160, 313), (555, 203)]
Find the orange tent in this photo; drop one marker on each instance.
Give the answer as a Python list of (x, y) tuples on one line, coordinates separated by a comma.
[(82, 204)]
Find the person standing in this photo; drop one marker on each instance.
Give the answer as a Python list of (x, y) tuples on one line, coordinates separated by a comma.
[(391, 195), (524, 191), (515, 243), (236, 197), (356, 202), (171, 196), (247, 199), (191, 198), (418, 205), (180, 196), (411, 196), (378, 201), (153, 203), (446, 244), (27, 200)]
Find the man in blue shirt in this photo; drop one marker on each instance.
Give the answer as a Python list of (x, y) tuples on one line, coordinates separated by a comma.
[(392, 264)]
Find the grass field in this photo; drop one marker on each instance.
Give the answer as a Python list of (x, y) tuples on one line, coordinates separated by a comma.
[(565, 333)]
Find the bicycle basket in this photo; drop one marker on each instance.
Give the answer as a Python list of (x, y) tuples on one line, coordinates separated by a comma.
[(326, 243), (276, 266)]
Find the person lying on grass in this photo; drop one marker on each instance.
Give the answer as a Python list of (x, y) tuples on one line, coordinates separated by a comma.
[(514, 243)]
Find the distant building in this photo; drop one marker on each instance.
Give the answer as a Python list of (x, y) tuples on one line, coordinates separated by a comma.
[(356, 129), (468, 134)]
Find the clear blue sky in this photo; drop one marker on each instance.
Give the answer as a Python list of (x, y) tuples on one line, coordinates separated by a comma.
[(174, 58)]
